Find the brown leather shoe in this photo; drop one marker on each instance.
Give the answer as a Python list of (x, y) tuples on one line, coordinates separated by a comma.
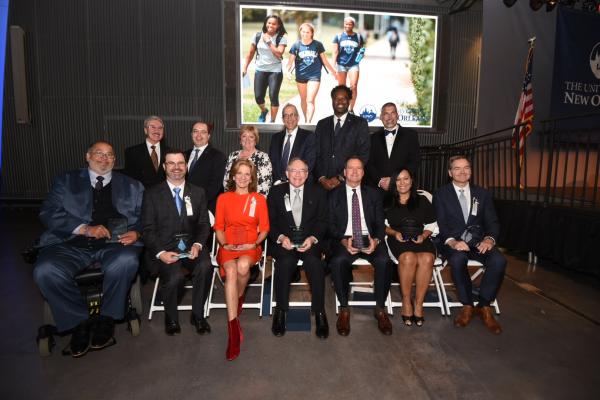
[(465, 316), (343, 322), (488, 319), (383, 321)]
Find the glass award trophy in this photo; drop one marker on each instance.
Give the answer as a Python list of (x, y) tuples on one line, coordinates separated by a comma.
[(182, 245), (297, 237), (116, 227)]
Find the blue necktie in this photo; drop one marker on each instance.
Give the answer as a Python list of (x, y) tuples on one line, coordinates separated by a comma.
[(181, 245), (194, 160), (178, 201), (357, 239)]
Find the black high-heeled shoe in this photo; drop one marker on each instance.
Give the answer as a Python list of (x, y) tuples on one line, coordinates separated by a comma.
[(408, 320), (418, 320)]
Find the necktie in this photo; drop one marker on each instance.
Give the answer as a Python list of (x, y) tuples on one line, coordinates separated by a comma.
[(338, 127), (99, 185), (285, 155), (357, 241), (178, 201), (389, 132), (463, 204), (195, 159), (181, 245), (154, 157), (297, 208)]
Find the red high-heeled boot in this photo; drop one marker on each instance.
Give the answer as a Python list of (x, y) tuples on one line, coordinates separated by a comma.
[(233, 342)]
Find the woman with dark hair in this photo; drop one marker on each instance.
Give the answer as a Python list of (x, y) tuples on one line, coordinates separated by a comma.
[(241, 224), (268, 46), (411, 220)]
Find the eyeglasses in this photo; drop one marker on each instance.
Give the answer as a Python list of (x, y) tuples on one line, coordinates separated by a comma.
[(297, 171), (101, 154), (172, 164), (290, 115)]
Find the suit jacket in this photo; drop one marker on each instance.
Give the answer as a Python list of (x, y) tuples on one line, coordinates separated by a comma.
[(405, 154), (372, 210), (138, 164), (161, 221), (208, 173), (332, 152), (304, 147), (314, 211), (69, 204), (450, 217)]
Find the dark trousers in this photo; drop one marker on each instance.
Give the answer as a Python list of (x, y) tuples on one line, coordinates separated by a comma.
[(286, 262), (172, 282), (55, 271), (263, 79), (495, 265), (341, 272)]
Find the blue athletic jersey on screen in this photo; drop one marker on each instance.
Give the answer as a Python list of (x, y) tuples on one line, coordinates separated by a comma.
[(349, 45), (308, 60)]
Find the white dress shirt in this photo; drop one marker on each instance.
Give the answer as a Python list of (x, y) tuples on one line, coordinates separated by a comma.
[(193, 154)]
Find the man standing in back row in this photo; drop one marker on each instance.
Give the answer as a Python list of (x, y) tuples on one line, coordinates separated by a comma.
[(143, 161), (337, 138)]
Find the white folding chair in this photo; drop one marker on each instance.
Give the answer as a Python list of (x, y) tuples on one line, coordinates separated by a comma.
[(480, 270), (181, 307), (435, 281), (363, 287), (212, 303)]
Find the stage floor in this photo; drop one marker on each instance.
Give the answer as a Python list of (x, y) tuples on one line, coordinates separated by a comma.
[(549, 348)]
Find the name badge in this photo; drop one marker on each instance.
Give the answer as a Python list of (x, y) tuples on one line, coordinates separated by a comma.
[(188, 206), (286, 200), (474, 207), (252, 207)]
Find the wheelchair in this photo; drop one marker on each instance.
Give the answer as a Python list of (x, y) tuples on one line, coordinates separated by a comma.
[(89, 282)]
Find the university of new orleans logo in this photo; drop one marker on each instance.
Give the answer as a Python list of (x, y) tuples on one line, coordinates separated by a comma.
[(595, 60)]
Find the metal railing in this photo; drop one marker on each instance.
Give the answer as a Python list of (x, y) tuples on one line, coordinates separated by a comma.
[(561, 162)]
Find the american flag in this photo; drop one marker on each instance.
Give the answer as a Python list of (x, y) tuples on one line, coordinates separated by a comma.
[(525, 109)]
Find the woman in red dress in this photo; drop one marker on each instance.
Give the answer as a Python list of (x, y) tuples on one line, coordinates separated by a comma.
[(241, 224)]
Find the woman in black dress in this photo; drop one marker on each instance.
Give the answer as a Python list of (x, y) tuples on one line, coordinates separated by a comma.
[(408, 211)]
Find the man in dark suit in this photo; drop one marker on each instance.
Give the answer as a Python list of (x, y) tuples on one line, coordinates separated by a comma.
[(357, 226), (298, 215), (175, 223), (290, 143), (143, 161), (77, 212), (392, 148), (206, 164), (460, 205), (339, 137)]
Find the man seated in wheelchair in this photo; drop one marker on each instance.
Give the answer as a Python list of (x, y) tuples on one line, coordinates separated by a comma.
[(92, 215)]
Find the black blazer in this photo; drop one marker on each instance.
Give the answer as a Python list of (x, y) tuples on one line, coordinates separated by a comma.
[(208, 173), (161, 221), (372, 210), (304, 147), (138, 164), (405, 154), (314, 211), (332, 153), (450, 218)]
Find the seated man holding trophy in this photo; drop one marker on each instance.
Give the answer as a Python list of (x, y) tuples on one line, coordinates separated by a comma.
[(468, 230), (175, 228), (356, 221), (298, 215)]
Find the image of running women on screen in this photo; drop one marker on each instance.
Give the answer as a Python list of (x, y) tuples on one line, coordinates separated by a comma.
[(268, 45), (307, 56), (348, 50)]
